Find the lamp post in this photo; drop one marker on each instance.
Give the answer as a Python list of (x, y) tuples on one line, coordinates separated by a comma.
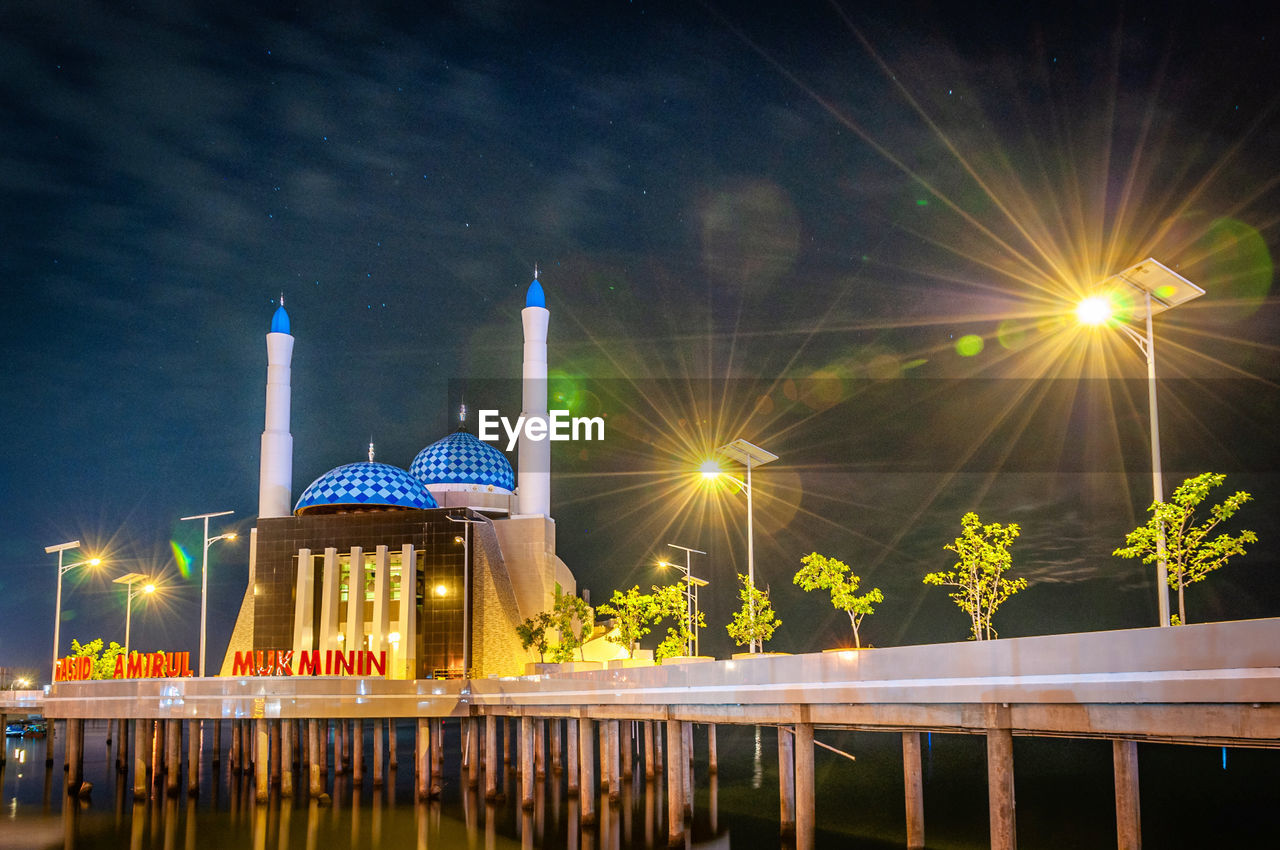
[(204, 573), (129, 580), (465, 540), (57, 611), (690, 592), (1161, 289), (749, 455)]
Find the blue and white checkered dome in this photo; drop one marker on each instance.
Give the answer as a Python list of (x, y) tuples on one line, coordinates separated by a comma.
[(462, 459), (364, 485)]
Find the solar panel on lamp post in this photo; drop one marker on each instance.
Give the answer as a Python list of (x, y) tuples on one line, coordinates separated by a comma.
[(57, 611), (204, 573), (1160, 289)]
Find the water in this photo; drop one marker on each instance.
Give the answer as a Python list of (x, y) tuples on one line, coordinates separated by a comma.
[(1198, 797)]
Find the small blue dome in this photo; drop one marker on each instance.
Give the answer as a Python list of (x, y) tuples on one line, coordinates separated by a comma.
[(536, 297), (280, 321), (461, 458), (365, 484)]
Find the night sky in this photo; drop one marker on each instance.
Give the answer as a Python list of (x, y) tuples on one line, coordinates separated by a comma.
[(855, 237)]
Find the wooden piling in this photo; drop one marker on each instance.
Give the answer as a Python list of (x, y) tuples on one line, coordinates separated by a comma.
[(490, 757), (713, 758), (526, 762), (1000, 789), (675, 785), (657, 746), (340, 752), (286, 759), (262, 759), (686, 729), (507, 740), (422, 760), (193, 757), (346, 744), (557, 745), (539, 749), (216, 751), (315, 778), (379, 730), (615, 744), (234, 755), (391, 743), (437, 756), (323, 750), (357, 751), (173, 758), (141, 757), (913, 783), (571, 755), (786, 782), (649, 760), (274, 734), (473, 752), (628, 749), (73, 756), (805, 814), (1124, 757), (587, 772), (604, 756)]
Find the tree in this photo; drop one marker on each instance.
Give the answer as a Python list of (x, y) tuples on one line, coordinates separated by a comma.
[(533, 633), (755, 621), (570, 609), (1189, 552), (978, 576), (104, 663), (672, 602), (632, 612), (822, 573)]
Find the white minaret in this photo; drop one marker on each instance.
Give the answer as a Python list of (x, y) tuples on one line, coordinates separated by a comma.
[(275, 476), (534, 462)]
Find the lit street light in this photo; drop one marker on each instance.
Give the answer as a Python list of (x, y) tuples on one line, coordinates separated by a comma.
[(690, 592), (1161, 289), (129, 580), (748, 455), (204, 573), (57, 611)]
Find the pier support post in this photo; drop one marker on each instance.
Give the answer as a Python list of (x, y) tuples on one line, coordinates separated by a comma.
[(658, 760), (1124, 756), (686, 729), (262, 762), (649, 760), (194, 740), (675, 785), (74, 760), (286, 759), (273, 741), (141, 757), (173, 757), (628, 749), (539, 749), (346, 744), (422, 760), (586, 772), (786, 782), (48, 743), (315, 779), (557, 745), (713, 757), (473, 752), (526, 763), (392, 761), (217, 742), (323, 729), (507, 743), (805, 815), (491, 758), (437, 756), (571, 755), (913, 785), (357, 751), (340, 751), (1000, 789), (615, 744), (379, 728), (233, 755)]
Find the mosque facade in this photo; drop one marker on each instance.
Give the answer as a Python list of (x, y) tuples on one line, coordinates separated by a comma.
[(426, 569)]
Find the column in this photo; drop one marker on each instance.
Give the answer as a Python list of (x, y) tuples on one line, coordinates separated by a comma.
[(786, 782), (473, 752), (234, 755), (687, 743), (286, 759), (526, 762), (380, 625), (357, 751), (1000, 789), (1124, 756), (649, 760), (354, 635), (217, 741), (391, 743), (274, 759), (72, 756), (379, 728), (173, 757), (330, 601), (571, 755), (262, 759), (406, 651), (628, 748), (556, 745), (193, 758), (587, 772), (304, 612), (422, 760), (615, 779), (141, 757), (914, 787), (315, 783), (491, 759), (675, 785), (713, 757), (804, 787), (437, 755)]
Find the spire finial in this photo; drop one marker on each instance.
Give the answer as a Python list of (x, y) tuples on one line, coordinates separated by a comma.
[(462, 414), (370, 449), (281, 299), (535, 271)]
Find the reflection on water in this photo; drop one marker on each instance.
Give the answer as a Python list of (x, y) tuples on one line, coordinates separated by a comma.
[(859, 803)]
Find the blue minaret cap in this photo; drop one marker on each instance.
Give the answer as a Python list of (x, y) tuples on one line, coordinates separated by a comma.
[(536, 297), (280, 321)]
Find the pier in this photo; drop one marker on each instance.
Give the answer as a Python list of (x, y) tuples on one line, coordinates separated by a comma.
[(1214, 684)]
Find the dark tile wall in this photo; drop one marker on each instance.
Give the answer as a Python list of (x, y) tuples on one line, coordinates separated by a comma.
[(439, 564)]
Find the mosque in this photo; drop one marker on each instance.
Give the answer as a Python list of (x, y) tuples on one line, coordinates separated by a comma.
[(434, 565)]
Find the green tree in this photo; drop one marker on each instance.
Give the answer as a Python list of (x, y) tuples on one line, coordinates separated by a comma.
[(979, 575), (573, 621), (672, 603), (755, 622), (633, 613), (104, 663), (1189, 551), (822, 573), (533, 633)]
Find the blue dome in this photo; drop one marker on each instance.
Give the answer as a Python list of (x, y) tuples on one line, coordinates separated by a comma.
[(536, 297), (461, 458), (365, 484), (280, 321)]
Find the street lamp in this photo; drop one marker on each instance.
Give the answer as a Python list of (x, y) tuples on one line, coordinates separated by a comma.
[(129, 580), (1161, 289), (57, 611), (465, 540), (690, 591), (749, 455), (204, 573)]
